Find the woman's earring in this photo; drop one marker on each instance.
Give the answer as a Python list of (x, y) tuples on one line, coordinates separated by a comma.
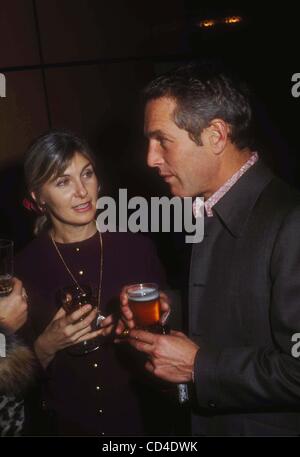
[(43, 207)]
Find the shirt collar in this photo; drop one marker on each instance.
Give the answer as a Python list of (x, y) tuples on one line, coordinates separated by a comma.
[(235, 207), (213, 199)]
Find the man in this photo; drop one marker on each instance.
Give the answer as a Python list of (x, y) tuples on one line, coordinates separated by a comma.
[(244, 284), (16, 361)]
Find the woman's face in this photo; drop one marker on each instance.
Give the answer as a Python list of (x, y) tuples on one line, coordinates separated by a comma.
[(71, 198)]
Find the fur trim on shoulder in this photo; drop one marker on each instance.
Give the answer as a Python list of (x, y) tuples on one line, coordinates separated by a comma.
[(17, 368)]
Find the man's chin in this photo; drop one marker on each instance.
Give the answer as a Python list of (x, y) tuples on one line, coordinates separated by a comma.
[(176, 191)]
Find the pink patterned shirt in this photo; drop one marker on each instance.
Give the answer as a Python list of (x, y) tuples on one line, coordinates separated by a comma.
[(213, 199)]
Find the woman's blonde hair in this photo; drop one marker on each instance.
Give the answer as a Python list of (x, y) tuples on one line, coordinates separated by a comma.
[(48, 157)]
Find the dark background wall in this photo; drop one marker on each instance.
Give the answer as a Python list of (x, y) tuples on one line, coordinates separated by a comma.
[(80, 64)]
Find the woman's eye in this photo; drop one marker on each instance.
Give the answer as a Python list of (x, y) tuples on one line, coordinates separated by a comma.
[(62, 183), (88, 174)]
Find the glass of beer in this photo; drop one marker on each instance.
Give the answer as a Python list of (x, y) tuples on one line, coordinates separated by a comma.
[(6, 267), (143, 300)]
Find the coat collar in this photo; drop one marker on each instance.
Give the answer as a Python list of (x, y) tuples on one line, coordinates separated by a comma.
[(235, 207)]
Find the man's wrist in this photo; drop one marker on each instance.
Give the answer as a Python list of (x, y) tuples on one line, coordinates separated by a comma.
[(193, 368)]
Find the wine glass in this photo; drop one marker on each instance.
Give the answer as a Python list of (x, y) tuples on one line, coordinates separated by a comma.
[(6, 267), (72, 298)]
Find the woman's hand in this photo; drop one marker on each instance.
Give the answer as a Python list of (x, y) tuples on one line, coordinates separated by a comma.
[(66, 330), (107, 325), (127, 322)]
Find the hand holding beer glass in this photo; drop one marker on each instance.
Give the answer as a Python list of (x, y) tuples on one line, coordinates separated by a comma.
[(143, 307)]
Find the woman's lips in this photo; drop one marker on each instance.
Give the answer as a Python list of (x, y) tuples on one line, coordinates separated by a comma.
[(83, 207)]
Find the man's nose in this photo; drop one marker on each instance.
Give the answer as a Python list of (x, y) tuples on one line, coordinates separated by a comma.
[(154, 155)]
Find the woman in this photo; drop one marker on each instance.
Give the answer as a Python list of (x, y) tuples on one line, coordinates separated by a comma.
[(95, 393)]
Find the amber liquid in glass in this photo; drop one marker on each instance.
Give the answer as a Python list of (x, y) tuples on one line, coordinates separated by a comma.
[(145, 312), (143, 300)]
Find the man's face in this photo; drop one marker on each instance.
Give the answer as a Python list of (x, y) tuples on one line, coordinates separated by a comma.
[(189, 169)]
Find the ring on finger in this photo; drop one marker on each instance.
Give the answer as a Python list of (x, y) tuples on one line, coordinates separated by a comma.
[(125, 333)]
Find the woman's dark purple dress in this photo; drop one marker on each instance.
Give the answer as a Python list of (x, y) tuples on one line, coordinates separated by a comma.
[(106, 392)]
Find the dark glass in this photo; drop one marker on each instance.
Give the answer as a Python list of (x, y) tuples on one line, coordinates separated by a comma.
[(6, 267), (72, 298)]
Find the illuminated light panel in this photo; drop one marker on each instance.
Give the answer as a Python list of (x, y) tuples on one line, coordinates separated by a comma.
[(233, 19), (207, 23)]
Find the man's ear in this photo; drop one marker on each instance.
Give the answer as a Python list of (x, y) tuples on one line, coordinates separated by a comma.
[(217, 135)]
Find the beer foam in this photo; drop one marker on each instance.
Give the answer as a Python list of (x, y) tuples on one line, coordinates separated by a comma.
[(145, 294)]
